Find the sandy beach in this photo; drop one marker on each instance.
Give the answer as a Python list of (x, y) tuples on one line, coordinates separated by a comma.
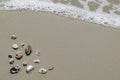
[(77, 50)]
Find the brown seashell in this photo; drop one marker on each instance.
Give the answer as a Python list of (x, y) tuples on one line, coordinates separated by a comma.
[(19, 55), (10, 56), (50, 68), (28, 50)]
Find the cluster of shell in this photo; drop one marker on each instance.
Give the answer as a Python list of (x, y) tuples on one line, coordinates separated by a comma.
[(18, 56)]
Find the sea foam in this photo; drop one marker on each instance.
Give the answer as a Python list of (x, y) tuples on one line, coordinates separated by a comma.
[(110, 20)]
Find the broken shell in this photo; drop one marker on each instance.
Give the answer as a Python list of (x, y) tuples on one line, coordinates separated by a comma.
[(10, 56), (11, 61), (15, 46), (14, 69), (37, 52), (13, 37), (19, 55), (28, 50), (42, 71), (24, 63), (36, 61), (29, 68), (50, 68)]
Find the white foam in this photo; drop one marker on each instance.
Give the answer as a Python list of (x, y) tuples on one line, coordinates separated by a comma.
[(110, 20)]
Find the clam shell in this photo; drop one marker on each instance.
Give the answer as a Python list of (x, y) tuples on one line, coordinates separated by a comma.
[(19, 55), (29, 68), (11, 61), (15, 46), (13, 37), (42, 71), (36, 61), (28, 50)]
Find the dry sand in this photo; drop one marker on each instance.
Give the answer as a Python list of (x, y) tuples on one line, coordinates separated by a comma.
[(77, 50)]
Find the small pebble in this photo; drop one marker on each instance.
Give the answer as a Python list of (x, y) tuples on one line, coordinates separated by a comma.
[(37, 52), (28, 50), (42, 71), (14, 69), (36, 61), (29, 68), (24, 63), (50, 68), (19, 55), (10, 56), (13, 37), (15, 46), (11, 61)]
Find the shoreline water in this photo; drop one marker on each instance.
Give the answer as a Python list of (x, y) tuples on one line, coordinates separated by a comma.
[(98, 17)]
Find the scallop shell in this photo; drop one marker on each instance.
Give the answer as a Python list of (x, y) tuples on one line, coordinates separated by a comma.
[(15, 46), (19, 55), (28, 50), (42, 71), (29, 68)]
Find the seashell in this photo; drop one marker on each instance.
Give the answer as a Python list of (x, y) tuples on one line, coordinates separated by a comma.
[(14, 69), (13, 37), (11, 61), (29, 68), (42, 71), (24, 63), (28, 50), (15, 46), (19, 55), (50, 68), (22, 44), (37, 52), (36, 61), (10, 56)]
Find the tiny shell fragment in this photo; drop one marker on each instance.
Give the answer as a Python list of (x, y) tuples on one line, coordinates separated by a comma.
[(24, 63), (13, 37), (10, 56), (50, 68), (29, 68), (22, 44), (36, 61), (37, 52), (15, 46), (11, 61), (42, 71), (28, 50), (19, 55)]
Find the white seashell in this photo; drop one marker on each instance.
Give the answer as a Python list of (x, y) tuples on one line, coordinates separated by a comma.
[(14, 69), (36, 61), (42, 71), (11, 61), (37, 52), (15, 46), (13, 37), (29, 68)]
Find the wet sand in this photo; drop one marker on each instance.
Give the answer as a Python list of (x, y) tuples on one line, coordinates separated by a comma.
[(77, 50)]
